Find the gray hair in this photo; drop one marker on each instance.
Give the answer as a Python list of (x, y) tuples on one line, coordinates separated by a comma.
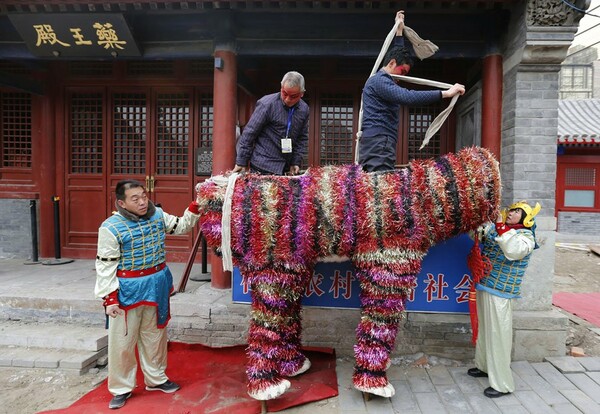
[(293, 79)]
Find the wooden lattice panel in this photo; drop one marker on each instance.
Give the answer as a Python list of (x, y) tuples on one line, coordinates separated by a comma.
[(336, 140), (173, 131), (129, 133), (89, 69), (202, 67), (419, 119), (86, 120), (150, 68), (206, 120), (16, 130), (585, 177)]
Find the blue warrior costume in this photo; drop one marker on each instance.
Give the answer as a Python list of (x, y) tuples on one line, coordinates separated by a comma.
[(508, 248), (142, 248), (131, 272), (506, 275)]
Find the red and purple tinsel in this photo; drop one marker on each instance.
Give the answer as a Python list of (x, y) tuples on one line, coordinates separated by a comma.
[(384, 222)]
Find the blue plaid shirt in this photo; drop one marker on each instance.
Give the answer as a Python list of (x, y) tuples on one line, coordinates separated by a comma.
[(382, 100), (260, 142)]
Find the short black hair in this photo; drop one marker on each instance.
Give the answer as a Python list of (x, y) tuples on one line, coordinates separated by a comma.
[(400, 54), (125, 185)]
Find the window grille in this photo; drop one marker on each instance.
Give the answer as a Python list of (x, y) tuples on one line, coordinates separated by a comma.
[(203, 155), (16, 130), (419, 119), (9, 66), (201, 67), (173, 131), (337, 137), (86, 120), (580, 177), (576, 81), (206, 120), (150, 68), (91, 69), (129, 133)]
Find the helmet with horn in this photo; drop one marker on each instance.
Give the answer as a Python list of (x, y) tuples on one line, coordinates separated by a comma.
[(530, 212)]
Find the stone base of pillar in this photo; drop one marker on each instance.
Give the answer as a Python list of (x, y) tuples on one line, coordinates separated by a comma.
[(539, 334)]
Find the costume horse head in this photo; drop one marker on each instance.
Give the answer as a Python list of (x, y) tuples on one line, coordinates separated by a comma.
[(383, 222)]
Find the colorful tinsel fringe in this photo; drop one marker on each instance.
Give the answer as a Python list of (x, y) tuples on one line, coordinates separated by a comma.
[(384, 222)]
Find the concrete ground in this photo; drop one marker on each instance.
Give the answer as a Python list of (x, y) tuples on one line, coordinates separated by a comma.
[(558, 385)]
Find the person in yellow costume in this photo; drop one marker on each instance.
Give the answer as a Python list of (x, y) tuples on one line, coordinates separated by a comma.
[(508, 245)]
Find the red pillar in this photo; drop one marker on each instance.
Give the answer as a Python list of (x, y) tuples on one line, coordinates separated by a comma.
[(47, 145), (224, 120), (491, 105)]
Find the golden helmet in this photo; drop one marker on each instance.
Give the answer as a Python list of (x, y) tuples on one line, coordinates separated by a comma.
[(530, 213)]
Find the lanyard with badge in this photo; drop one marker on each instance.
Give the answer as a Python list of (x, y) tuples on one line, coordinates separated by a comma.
[(286, 143)]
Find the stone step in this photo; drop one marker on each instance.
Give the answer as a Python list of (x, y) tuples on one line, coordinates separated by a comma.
[(69, 360), (69, 347), (53, 336)]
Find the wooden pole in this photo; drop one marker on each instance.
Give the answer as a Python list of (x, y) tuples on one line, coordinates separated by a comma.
[(189, 264)]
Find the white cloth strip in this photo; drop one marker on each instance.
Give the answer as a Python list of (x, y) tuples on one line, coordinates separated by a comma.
[(226, 224), (439, 120), (421, 81)]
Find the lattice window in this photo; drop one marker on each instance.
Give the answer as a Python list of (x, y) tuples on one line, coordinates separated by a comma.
[(336, 140), (173, 131), (92, 68), (202, 67), (154, 68), (16, 130), (10, 66), (129, 133), (581, 177), (206, 120), (576, 81), (580, 186), (419, 119), (86, 120)]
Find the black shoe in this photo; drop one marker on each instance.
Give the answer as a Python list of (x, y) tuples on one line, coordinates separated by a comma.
[(476, 372), (492, 393), (168, 387), (118, 401)]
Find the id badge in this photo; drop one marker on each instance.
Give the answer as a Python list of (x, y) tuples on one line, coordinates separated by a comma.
[(286, 145)]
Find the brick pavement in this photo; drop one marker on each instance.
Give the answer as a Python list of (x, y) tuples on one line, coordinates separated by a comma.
[(559, 385)]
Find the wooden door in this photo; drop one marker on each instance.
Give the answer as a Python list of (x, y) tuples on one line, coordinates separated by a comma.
[(151, 142), (85, 169), (127, 133)]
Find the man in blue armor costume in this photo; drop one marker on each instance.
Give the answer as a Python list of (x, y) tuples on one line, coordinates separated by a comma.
[(508, 245), (135, 283)]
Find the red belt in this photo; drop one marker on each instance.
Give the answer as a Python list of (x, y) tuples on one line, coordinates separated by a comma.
[(143, 272)]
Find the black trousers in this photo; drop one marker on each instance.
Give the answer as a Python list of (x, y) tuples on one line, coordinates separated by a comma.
[(377, 153)]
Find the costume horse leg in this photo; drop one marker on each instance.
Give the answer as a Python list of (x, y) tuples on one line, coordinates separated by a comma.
[(274, 332)]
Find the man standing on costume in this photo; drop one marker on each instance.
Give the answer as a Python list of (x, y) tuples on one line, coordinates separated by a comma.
[(508, 245), (382, 99), (275, 140), (135, 283)]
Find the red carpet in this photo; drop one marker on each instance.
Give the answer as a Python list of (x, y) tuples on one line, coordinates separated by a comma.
[(213, 380), (584, 305)]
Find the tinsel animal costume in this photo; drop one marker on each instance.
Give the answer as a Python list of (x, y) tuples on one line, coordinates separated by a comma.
[(383, 222)]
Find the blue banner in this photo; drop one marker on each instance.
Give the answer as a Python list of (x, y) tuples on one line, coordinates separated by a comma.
[(442, 286)]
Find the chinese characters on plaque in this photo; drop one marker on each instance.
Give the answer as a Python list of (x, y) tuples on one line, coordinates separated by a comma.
[(76, 35)]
